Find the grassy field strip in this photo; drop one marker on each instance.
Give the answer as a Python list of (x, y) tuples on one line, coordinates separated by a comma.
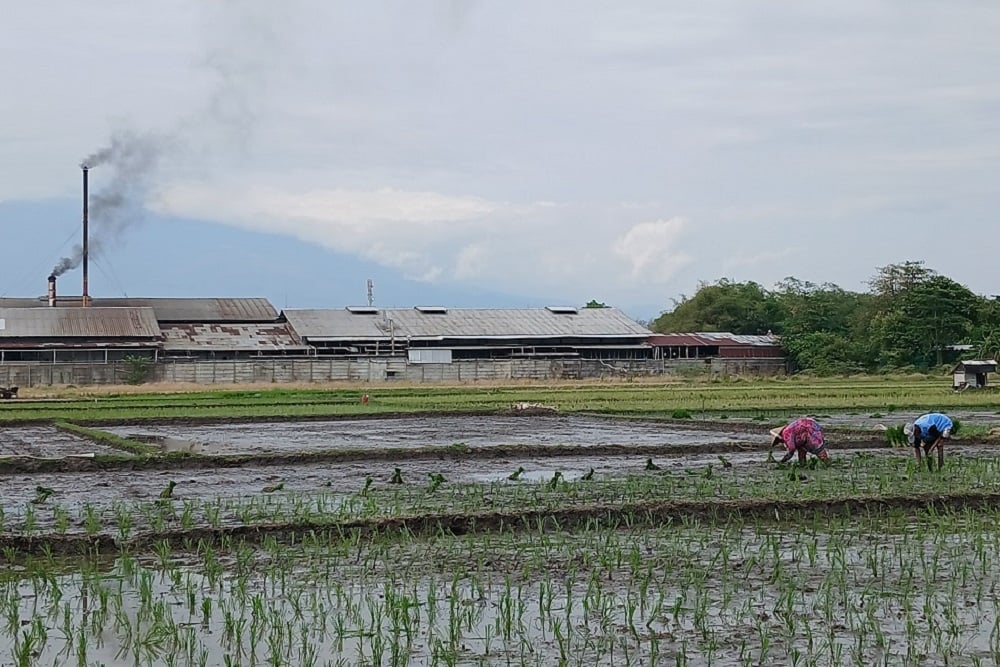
[(597, 516), (736, 398), (109, 439)]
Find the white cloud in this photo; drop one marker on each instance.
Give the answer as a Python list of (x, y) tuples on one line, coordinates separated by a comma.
[(651, 251), (511, 155), (396, 228), (470, 261), (436, 237)]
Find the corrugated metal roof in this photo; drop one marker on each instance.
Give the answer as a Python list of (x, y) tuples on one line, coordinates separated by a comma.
[(78, 323), (980, 365), (231, 337), (169, 309), (464, 323), (712, 339), (340, 324)]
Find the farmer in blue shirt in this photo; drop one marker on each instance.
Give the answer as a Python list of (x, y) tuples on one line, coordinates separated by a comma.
[(930, 430)]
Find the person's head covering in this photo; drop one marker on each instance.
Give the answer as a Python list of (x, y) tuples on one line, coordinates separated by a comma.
[(776, 438), (908, 432)]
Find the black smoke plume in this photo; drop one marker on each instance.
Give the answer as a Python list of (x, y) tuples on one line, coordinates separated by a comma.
[(130, 159)]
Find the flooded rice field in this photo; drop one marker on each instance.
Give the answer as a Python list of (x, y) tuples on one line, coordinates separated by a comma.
[(103, 489), (865, 592), (47, 441), (525, 558), (474, 431)]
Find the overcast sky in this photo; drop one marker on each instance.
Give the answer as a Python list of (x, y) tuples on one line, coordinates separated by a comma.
[(511, 151)]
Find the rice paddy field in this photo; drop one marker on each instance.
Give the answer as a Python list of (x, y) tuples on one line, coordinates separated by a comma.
[(637, 524)]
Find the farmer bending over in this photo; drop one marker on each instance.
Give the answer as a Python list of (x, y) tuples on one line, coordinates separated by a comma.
[(800, 437), (930, 430)]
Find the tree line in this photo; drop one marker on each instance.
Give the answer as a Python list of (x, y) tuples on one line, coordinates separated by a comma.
[(907, 319)]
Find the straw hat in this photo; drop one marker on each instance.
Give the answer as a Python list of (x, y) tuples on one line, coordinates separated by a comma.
[(776, 435)]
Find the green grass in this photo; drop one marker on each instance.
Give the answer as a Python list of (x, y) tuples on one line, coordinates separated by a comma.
[(766, 398), (109, 439)]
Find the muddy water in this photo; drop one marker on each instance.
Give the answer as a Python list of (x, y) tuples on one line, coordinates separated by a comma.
[(679, 595), (324, 486), (46, 441), (103, 490), (475, 431)]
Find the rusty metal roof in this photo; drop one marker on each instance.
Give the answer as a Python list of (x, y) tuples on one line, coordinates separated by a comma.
[(441, 323), (341, 324), (712, 339), (254, 337), (91, 322), (169, 309)]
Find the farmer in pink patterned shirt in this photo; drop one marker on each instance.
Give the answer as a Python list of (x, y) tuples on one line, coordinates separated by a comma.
[(802, 436)]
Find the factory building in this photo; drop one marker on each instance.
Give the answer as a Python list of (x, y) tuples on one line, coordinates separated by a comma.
[(53, 335), (724, 353), (433, 334), (713, 344), (49, 339), (88, 340), (184, 328)]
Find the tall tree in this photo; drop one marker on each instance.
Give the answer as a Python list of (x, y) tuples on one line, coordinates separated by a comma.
[(919, 321), (986, 332), (820, 329), (894, 279), (741, 308)]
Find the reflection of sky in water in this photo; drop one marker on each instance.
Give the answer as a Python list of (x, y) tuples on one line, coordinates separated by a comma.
[(474, 431)]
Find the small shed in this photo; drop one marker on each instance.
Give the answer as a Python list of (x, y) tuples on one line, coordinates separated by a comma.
[(972, 374)]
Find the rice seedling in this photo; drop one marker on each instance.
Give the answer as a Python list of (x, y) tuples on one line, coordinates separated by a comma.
[(437, 479), (42, 494), (582, 573)]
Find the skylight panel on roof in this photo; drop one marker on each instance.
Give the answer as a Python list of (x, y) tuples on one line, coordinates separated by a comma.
[(562, 310), (363, 310), (432, 310)]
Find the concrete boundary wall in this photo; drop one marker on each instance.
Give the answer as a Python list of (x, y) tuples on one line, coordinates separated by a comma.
[(375, 370)]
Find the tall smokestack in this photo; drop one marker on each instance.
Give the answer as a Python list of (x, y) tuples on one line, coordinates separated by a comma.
[(52, 290), (86, 297)]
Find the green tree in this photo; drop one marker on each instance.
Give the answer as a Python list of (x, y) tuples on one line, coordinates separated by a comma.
[(823, 353), (137, 369), (915, 325), (808, 307), (894, 279), (820, 332), (594, 303), (985, 335), (741, 308)]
